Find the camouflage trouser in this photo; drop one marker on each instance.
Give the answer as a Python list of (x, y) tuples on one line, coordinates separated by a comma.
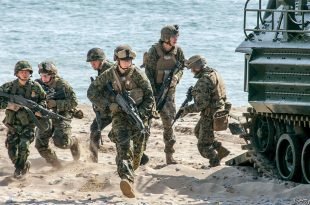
[(60, 131), (129, 144), (167, 115), (205, 135), (18, 145), (95, 133)]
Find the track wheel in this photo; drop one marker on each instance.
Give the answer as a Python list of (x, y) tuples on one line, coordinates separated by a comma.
[(288, 157), (305, 161), (263, 134)]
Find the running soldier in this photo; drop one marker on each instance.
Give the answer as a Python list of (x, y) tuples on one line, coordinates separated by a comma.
[(125, 78), (62, 102), (17, 118)]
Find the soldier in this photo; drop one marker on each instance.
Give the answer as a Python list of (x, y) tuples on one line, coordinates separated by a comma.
[(125, 76), (98, 61), (59, 130), (161, 58), (20, 124), (209, 96)]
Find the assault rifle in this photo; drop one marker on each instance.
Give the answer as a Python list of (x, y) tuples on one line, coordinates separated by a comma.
[(98, 118), (189, 97), (51, 94), (162, 95), (31, 106), (128, 105)]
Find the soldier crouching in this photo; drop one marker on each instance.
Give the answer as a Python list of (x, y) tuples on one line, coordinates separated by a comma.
[(209, 97)]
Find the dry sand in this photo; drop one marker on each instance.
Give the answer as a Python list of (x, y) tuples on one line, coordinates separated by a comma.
[(189, 182)]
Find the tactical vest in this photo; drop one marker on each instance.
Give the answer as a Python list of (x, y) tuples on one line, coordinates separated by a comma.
[(121, 83), (21, 115), (165, 63), (218, 93)]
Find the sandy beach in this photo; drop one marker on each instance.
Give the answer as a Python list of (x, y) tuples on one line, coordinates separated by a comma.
[(188, 182)]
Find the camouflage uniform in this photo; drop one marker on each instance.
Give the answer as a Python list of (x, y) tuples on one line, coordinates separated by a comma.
[(209, 96), (59, 130), (21, 126), (157, 62), (140, 89), (105, 118)]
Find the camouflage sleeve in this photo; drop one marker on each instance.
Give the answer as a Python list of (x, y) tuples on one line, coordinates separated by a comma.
[(202, 94), (145, 108), (180, 57), (96, 88), (70, 102), (4, 88), (150, 66)]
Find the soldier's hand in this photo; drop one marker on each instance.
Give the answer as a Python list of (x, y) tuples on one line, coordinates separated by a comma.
[(174, 81), (38, 114), (13, 106), (114, 108), (51, 103)]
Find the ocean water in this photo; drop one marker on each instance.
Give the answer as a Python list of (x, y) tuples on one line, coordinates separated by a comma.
[(63, 31)]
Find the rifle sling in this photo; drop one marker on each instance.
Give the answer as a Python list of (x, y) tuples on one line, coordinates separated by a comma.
[(118, 83), (35, 120)]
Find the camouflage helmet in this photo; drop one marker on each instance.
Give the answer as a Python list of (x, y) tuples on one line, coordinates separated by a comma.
[(195, 61), (95, 54), (124, 52), (47, 67), (22, 65), (169, 31)]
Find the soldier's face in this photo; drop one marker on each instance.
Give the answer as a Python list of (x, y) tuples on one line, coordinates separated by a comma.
[(125, 64), (174, 40), (195, 69), (45, 77), (23, 75), (95, 64)]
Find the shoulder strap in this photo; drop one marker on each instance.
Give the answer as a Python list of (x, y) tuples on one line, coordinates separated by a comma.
[(29, 89), (116, 77), (158, 49), (14, 87)]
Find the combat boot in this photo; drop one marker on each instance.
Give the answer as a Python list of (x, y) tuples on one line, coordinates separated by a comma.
[(213, 162), (144, 159), (93, 152), (94, 157), (170, 159), (26, 168), (75, 149), (127, 188), (19, 173), (56, 164), (222, 152)]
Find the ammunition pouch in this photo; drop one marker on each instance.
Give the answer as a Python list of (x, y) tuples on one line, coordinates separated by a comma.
[(9, 117), (220, 120), (23, 117)]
